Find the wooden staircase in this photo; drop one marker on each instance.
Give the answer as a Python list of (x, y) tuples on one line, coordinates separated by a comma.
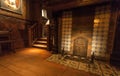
[(40, 43)]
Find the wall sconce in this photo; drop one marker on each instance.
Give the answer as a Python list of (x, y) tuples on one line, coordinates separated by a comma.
[(96, 21)]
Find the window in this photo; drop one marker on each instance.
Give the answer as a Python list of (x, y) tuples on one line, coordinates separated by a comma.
[(44, 13), (48, 22)]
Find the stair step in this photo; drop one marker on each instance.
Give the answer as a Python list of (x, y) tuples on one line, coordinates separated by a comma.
[(40, 46), (43, 39), (41, 42)]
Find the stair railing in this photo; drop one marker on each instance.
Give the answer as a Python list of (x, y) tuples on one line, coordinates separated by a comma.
[(33, 33)]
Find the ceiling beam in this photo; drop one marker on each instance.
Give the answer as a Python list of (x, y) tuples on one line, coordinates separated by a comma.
[(75, 4)]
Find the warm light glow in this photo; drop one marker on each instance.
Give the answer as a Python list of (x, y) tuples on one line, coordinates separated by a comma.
[(96, 20), (44, 13), (48, 22), (33, 51), (92, 52), (66, 44), (12, 3)]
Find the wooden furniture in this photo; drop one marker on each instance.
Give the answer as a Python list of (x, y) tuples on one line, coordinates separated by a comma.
[(115, 56), (6, 42)]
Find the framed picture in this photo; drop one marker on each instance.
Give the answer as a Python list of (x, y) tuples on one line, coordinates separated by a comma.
[(11, 5)]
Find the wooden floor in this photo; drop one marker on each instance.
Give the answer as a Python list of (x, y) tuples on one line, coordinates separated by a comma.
[(32, 62)]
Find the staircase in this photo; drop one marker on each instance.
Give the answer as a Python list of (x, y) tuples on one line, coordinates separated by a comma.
[(40, 43)]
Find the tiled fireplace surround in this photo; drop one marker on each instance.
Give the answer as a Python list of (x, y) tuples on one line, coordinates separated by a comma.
[(79, 43)]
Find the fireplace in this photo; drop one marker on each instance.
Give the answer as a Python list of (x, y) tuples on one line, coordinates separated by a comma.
[(80, 45)]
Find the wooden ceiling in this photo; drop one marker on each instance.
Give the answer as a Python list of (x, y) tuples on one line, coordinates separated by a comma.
[(56, 2), (56, 5)]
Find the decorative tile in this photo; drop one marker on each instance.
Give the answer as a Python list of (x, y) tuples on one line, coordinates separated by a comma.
[(100, 31), (66, 30), (98, 67)]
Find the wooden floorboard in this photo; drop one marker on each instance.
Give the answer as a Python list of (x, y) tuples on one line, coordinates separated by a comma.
[(32, 62)]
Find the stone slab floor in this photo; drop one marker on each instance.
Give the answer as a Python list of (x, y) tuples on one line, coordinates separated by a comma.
[(32, 62)]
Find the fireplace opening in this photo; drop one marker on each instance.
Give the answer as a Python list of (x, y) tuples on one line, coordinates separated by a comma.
[(80, 47)]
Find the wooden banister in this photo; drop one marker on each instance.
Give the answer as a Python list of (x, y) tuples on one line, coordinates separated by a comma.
[(33, 26), (33, 33)]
